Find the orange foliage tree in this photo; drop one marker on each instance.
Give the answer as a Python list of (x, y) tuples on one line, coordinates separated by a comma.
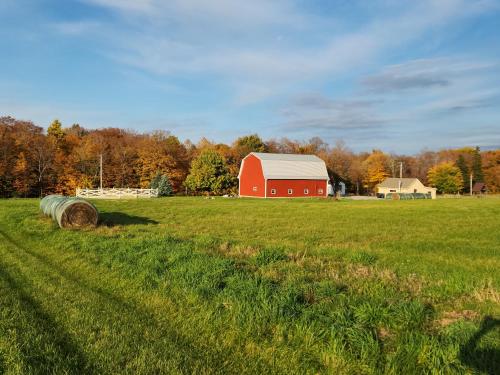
[(34, 162)]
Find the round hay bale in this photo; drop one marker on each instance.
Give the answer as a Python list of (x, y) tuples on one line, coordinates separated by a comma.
[(69, 212)]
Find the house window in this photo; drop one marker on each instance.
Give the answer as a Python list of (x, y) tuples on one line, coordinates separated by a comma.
[(392, 191), (414, 190), (290, 191), (273, 191), (306, 191), (320, 191), (255, 188)]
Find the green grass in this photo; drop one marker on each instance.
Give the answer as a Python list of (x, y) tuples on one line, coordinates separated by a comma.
[(190, 285)]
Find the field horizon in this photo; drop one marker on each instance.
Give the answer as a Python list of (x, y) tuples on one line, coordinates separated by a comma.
[(194, 285)]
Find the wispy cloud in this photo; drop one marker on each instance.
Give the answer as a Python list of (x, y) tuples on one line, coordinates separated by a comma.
[(321, 115), (400, 99), (75, 28), (243, 43)]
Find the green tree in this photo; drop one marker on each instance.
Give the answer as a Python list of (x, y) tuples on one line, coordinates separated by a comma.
[(209, 173), (55, 130), (446, 177), (249, 143), (162, 183), (464, 169), (477, 166)]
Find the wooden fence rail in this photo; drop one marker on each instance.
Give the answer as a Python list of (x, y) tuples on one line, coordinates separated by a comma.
[(116, 193)]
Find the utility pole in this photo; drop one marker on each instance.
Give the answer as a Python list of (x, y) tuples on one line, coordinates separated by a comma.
[(470, 184), (400, 175), (100, 172)]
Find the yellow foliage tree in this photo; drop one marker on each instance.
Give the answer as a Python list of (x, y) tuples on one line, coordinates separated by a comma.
[(376, 169)]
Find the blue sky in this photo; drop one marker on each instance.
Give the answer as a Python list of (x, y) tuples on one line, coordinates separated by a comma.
[(392, 74)]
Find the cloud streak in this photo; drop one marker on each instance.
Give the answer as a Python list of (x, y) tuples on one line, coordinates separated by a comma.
[(243, 43), (321, 115), (425, 73)]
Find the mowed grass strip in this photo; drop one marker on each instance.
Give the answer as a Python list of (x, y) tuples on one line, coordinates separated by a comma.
[(189, 285)]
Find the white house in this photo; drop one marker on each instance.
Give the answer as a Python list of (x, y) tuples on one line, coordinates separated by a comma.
[(404, 185)]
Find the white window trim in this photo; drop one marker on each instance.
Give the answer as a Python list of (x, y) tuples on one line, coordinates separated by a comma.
[(290, 191), (306, 191), (273, 191), (320, 191), (254, 188)]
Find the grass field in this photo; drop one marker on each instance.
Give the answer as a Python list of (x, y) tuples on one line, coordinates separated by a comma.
[(190, 285)]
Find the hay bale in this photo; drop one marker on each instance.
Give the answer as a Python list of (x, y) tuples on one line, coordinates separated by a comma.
[(69, 212)]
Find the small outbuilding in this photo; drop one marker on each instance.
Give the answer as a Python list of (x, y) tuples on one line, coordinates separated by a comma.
[(265, 175), (479, 188), (404, 185)]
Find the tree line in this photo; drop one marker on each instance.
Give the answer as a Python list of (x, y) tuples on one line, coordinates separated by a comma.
[(35, 162)]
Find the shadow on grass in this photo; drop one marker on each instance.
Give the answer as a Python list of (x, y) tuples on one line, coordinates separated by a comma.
[(485, 360), (67, 356), (111, 219), (127, 312)]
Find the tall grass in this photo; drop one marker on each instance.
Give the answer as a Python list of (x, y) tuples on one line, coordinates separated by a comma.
[(184, 285)]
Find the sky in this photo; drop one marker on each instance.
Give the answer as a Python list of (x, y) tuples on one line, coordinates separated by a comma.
[(396, 75)]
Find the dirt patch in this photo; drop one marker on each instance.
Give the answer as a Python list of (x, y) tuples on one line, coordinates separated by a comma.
[(451, 317), (384, 333), (237, 251), (487, 293)]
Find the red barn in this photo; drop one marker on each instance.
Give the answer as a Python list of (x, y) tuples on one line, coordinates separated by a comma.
[(282, 176)]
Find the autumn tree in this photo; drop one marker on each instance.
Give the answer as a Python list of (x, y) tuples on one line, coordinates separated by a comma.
[(446, 177), (34, 161), (376, 168), (161, 152), (55, 130), (424, 161), (339, 160), (9, 151), (491, 168), (209, 174), (43, 152)]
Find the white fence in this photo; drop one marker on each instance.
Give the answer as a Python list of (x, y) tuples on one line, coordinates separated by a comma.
[(116, 193)]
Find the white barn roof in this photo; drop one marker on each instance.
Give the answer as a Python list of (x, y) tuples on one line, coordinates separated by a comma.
[(292, 166)]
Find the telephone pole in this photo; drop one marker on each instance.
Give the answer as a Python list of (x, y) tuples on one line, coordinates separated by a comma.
[(100, 172), (400, 175), (470, 184)]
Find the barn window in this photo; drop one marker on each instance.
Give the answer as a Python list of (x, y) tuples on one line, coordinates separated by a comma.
[(255, 188), (290, 191), (392, 190), (306, 191), (320, 191), (273, 191)]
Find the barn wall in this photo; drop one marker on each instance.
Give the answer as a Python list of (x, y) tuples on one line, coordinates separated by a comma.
[(251, 176), (297, 187)]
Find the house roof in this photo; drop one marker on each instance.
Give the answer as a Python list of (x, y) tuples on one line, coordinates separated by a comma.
[(393, 183), (292, 166)]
